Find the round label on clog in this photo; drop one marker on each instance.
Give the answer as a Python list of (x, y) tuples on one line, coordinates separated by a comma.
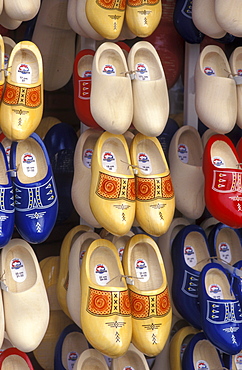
[(224, 252), (120, 252), (109, 70), (24, 73), (29, 164), (190, 255), (109, 161), (18, 270), (101, 274), (81, 255), (209, 71), (142, 270), (87, 74), (215, 291), (71, 359), (142, 72), (128, 368), (201, 364), (183, 153), (7, 151), (218, 161), (144, 163), (238, 361), (87, 157), (6, 58)]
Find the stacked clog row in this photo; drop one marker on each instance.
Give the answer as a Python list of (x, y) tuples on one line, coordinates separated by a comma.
[(132, 89)]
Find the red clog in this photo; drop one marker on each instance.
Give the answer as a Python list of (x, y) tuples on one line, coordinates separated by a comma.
[(223, 180), (13, 358), (82, 72)]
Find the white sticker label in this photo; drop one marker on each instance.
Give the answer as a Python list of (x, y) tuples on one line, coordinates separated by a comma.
[(109, 70), (128, 368), (87, 157), (224, 252), (142, 72), (18, 270), (120, 253), (238, 361), (71, 359), (24, 73), (6, 58), (144, 163), (101, 274), (81, 255), (7, 151), (218, 161), (190, 256), (29, 164), (183, 153), (201, 364), (209, 71), (87, 74), (142, 270), (215, 291), (109, 161)]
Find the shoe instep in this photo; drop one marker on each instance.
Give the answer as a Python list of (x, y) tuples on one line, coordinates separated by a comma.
[(90, 359)]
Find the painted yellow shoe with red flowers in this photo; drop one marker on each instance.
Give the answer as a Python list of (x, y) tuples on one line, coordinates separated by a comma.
[(112, 189), (22, 103), (149, 294), (155, 199), (105, 306)]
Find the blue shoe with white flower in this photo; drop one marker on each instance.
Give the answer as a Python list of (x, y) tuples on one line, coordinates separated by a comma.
[(221, 314), (189, 255), (200, 353), (6, 200), (35, 197)]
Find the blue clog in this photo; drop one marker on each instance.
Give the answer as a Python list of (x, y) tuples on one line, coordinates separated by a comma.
[(35, 196), (221, 314), (7, 200), (189, 255), (201, 354), (71, 343), (225, 243), (60, 142), (182, 19)]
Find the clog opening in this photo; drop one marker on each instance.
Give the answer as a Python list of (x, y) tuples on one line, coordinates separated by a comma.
[(93, 364), (114, 153), (217, 285), (204, 352), (194, 151), (196, 251), (85, 66), (131, 360), (153, 156), (110, 63), (223, 151), (216, 64), (73, 342), (14, 362), (228, 246), (147, 59), (25, 65)]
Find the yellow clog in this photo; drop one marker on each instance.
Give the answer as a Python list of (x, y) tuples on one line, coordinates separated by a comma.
[(155, 200), (2, 78), (143, 16), (105, 306), (112, 196), (62, 283), (22, 104), (149, 294), (178, 344)]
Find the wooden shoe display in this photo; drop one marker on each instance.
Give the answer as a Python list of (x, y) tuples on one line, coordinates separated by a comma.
[(150, 94), (143, 17), (106, 18), (2, 66), (149, 294), (72, 18), (22, 104), (22, 10), (133, 359), (235, 62), (82, 175), (52, 30), (229, 17), (44, 353), (204, 18), (83, 22), (90, 359), (73, 296), (111, 88), (105, 306), (62, 282), (155, 199), (185, 160), (24, 289), (213, 78), (112, 193)]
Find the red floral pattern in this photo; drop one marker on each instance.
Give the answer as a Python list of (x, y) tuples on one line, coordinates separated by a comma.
[(29, 97), (154, 188), (112, 187), (135, 3), (112, 4), (163, 303), (139, 305)]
